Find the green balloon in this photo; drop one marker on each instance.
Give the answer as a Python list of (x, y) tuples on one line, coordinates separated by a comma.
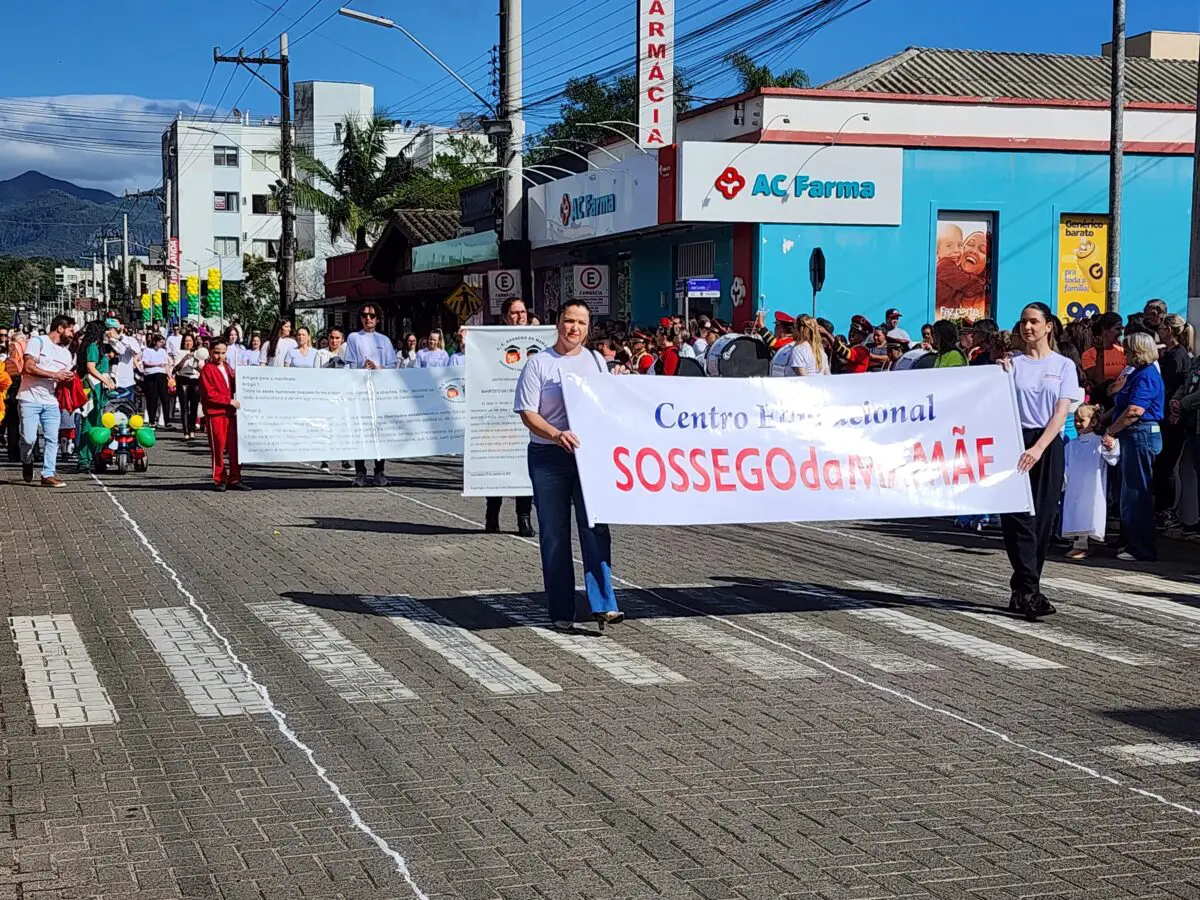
[(99, 435), (145, 437)]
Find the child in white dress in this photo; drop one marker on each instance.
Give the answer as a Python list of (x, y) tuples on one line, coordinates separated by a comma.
[(1087, 460)]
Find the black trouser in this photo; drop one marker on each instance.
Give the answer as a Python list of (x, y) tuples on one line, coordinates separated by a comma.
[(360, 467), (1026, 537), (524, 507), (188, 391), (12, 421), (155, 388), (1164, 467)]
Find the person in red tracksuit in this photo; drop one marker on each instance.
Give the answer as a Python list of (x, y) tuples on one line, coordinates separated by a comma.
[(217, 389)]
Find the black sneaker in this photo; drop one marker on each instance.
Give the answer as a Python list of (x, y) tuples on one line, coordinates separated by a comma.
[(360, 481), (1037, 606), (27, 473)]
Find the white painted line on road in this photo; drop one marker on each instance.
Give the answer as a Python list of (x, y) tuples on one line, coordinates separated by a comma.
[(350, 671), (1151, 754), (1158, 583), (605, 654), (210, 680), (1157, 604), (1061, 638), (398, 860), (966, 644), (737, 652), (849, 646), (470, 654), (1175, 637), (64, 687)]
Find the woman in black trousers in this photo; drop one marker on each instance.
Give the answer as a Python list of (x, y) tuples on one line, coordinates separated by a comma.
[(155, 362), (1045, 383), (187, 385)]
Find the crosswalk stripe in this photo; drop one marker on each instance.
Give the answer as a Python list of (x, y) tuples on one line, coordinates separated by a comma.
[(1059, 637), (967, 644), (849, 646), (210, 680), (1157, 604), (64, 687), (738, 652), (610, 657), (1176, 637), (1153, 754), (355, 676), (470, 654), (1158, 583)]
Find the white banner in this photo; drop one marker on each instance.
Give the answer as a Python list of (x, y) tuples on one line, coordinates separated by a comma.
[(494, 462), (294, 415), (688, 451)]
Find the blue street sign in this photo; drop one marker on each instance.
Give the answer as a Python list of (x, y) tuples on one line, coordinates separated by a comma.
[(704, 287)]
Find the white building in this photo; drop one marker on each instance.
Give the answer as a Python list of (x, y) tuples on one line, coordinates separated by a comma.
[(220, 176)]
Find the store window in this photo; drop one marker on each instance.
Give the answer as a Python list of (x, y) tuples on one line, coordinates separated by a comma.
[(264, 205), (696, 260), (225, 156), (963, 254), (225, 201), (225, 246)]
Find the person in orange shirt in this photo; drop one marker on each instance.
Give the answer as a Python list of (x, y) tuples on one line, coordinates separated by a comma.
[(12, 361), (1105, 362)]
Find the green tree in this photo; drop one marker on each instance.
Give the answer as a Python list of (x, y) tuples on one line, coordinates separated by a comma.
[(753, 76), (254, 301), (437, 185)]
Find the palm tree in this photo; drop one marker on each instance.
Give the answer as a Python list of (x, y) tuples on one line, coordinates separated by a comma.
[(364, 186), (754, 76)]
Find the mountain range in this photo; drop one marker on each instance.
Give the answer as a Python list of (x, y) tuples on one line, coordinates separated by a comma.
[(46, 217)]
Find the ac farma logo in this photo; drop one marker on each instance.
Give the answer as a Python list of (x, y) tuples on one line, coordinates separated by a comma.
[(731, 182)]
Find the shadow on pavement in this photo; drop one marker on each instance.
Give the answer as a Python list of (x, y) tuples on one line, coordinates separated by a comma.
[(422, 529), (1178, 723)]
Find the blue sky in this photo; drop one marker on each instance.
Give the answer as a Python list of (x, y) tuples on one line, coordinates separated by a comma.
[(112, 72)]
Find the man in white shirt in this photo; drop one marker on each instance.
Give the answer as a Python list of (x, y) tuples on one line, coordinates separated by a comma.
[(128, 350), (48, 363), (367, 348), (892, 327), (174, 339)]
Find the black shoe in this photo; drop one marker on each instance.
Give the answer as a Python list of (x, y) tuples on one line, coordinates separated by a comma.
[(1037, 606), (220, 488), (525, 527), (491, 524), (346, 464), (360, 480), (1014, 602), (241, 486), (27, 474)]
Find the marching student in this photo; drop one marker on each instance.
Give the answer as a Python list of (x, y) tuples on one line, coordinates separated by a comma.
[(367, 348), (512, 312), (218, 387)]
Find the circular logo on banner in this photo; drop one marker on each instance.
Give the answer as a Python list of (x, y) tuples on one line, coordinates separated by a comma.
[(590, 278), (505, 283), (564, 210)]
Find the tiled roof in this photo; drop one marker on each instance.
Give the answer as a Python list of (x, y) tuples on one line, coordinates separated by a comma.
[(427, 226), (1027, 76)]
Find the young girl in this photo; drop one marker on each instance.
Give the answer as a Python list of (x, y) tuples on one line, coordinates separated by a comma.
[(1084, 505)]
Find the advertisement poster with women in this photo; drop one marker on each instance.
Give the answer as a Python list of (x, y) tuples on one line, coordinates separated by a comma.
[(962, 261), (494, 463), (707, 451), (1082, 266)]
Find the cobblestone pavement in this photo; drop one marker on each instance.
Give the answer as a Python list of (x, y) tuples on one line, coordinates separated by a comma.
[(315, 691)]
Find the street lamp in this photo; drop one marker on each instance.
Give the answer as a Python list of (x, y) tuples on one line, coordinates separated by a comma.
[(499, 169), (608, 126)]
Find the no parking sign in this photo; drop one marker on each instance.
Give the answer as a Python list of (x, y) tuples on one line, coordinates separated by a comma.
[(591, 286), (503, 284)]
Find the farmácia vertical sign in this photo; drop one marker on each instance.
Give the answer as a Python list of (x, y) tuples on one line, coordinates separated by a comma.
[(656, 73)]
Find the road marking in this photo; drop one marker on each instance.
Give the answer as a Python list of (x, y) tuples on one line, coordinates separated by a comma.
[(966, 644), (1151, 754), (607, 655), (64, 687), (1176, 637), (399, 863), (737, 652), (849, 646), (355, 676), (471, 655), (210, 680), (1157, 604), (1158, 583), (1059, 637)]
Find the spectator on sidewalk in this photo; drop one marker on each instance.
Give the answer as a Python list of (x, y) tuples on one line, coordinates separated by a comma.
[(218, 396), (48, 361)]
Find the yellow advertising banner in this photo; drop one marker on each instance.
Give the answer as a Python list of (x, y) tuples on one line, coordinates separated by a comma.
[(1082, 266)]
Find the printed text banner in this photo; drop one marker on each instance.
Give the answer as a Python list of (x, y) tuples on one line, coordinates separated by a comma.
[(296, 415), (692, 451), (494, 459)]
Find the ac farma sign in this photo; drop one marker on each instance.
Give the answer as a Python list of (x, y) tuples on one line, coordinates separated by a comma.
[(656, 73)]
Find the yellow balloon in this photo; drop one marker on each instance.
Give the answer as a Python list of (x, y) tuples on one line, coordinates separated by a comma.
[(135, 422), (108, 420)]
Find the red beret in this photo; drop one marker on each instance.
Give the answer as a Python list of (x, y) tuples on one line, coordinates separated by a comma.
[(664, 322), (783, 318)]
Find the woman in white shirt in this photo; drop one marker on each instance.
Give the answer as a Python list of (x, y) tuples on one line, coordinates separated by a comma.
[(433, 355), (155, 362), (304, 355), (235, 353), (406, 357), (187, 384), (275, 350), (252, 352), (808, 353), (555, 478)]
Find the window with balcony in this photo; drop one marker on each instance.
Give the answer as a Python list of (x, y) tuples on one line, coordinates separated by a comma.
[(225, 201), (225, 156)]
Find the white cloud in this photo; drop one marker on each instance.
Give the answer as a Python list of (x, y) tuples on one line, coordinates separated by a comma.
[(107, 141)]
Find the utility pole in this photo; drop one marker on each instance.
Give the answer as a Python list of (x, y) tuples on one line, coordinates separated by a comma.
[(1116, 157), (1193, 311), (104, 277), (92, 277), (125, 257), (287, 211), (514, 247)]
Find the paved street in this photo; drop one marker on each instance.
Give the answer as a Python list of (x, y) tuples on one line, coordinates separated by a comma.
[(312, 691)]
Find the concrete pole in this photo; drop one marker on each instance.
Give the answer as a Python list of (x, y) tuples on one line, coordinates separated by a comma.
[(1116, 157)]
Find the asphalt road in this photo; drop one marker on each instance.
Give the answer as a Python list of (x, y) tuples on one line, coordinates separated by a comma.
[(316, 691)]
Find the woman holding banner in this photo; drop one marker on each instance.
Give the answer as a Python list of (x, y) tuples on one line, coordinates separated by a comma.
[(555, 478), (1045, 384)]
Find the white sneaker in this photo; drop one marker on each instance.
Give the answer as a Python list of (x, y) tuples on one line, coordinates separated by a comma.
[(1126, 556)]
